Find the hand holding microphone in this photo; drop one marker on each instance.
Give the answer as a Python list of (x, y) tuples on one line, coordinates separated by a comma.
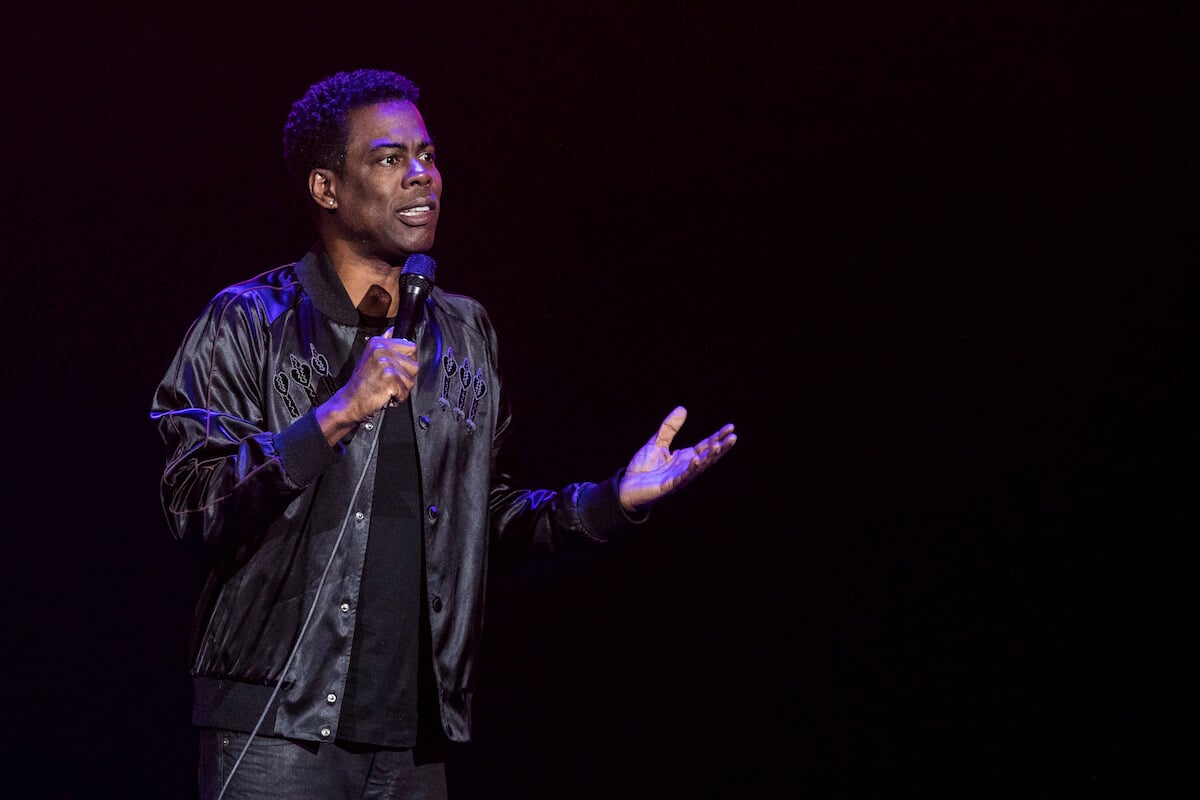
[(387, 370)]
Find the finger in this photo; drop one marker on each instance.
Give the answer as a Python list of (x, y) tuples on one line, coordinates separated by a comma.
[(722, 438), (402, 370), (394, 347), (405, 347), (669, 427), (390, 333)]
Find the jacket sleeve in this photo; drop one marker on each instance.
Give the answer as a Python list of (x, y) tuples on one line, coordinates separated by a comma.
[(525, 522), (228, 475)]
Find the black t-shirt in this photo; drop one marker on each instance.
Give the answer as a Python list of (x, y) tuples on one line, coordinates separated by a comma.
[(390, 660), (381, 689)]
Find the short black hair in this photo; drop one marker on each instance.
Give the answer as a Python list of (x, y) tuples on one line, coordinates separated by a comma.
[(317, 131)]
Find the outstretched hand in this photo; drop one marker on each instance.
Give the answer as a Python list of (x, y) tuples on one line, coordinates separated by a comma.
[(656, 471)]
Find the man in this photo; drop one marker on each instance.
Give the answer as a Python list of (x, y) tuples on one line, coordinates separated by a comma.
[(348, 488)]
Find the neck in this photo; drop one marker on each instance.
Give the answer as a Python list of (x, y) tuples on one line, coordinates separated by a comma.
[(358, 274)]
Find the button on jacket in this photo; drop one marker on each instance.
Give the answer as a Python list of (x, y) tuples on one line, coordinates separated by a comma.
[(282, 518)]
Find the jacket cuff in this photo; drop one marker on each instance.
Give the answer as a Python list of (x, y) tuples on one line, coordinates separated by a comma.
[(600, 508), (303, 451)]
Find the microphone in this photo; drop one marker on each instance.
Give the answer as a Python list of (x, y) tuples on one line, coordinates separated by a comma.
[(416, 281)]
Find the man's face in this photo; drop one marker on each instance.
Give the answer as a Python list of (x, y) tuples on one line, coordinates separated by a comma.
[(388, 199)]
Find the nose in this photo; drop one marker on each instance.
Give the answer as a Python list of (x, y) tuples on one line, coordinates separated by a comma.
[(418, 172)]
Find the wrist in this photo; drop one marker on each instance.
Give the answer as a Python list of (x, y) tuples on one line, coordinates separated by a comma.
[(334, 420)]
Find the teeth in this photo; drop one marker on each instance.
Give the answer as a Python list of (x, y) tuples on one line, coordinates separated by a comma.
[(418, 210)]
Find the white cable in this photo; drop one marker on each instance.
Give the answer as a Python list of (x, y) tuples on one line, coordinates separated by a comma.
[(312, 609)]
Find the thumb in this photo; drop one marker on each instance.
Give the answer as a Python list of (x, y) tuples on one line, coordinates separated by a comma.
[(669, 427)]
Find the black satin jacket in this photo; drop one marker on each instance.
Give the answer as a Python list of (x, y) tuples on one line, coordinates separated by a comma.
[(282, 518)]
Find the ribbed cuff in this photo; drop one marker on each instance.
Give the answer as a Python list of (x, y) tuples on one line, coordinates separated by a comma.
[(303, 450), (600, 508)]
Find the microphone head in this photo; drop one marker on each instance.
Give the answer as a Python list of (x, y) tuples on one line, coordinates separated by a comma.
[(419, 264)]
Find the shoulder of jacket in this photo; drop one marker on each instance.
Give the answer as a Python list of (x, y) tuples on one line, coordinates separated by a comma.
[(464, 308), (268, 292)]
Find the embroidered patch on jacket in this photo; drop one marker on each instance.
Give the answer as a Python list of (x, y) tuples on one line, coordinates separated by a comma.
[(467, 389), (302, 373)]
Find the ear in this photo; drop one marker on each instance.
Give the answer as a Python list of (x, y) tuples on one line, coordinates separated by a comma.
[(322, 189)]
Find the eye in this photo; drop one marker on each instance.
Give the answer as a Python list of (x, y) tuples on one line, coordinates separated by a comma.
[(391, 160), (427, 157)]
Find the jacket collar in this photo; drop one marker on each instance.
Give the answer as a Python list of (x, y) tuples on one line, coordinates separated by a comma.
[(322, 283)]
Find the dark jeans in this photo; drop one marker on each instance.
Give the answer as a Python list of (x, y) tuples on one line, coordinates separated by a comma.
[(286, 769)]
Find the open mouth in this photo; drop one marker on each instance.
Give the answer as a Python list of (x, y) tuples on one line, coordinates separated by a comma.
[(418, 215)]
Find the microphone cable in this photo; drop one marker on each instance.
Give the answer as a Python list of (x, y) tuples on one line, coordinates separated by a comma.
[(308, 619)]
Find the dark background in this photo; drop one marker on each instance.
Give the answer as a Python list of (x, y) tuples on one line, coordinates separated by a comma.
[(936, 262)]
